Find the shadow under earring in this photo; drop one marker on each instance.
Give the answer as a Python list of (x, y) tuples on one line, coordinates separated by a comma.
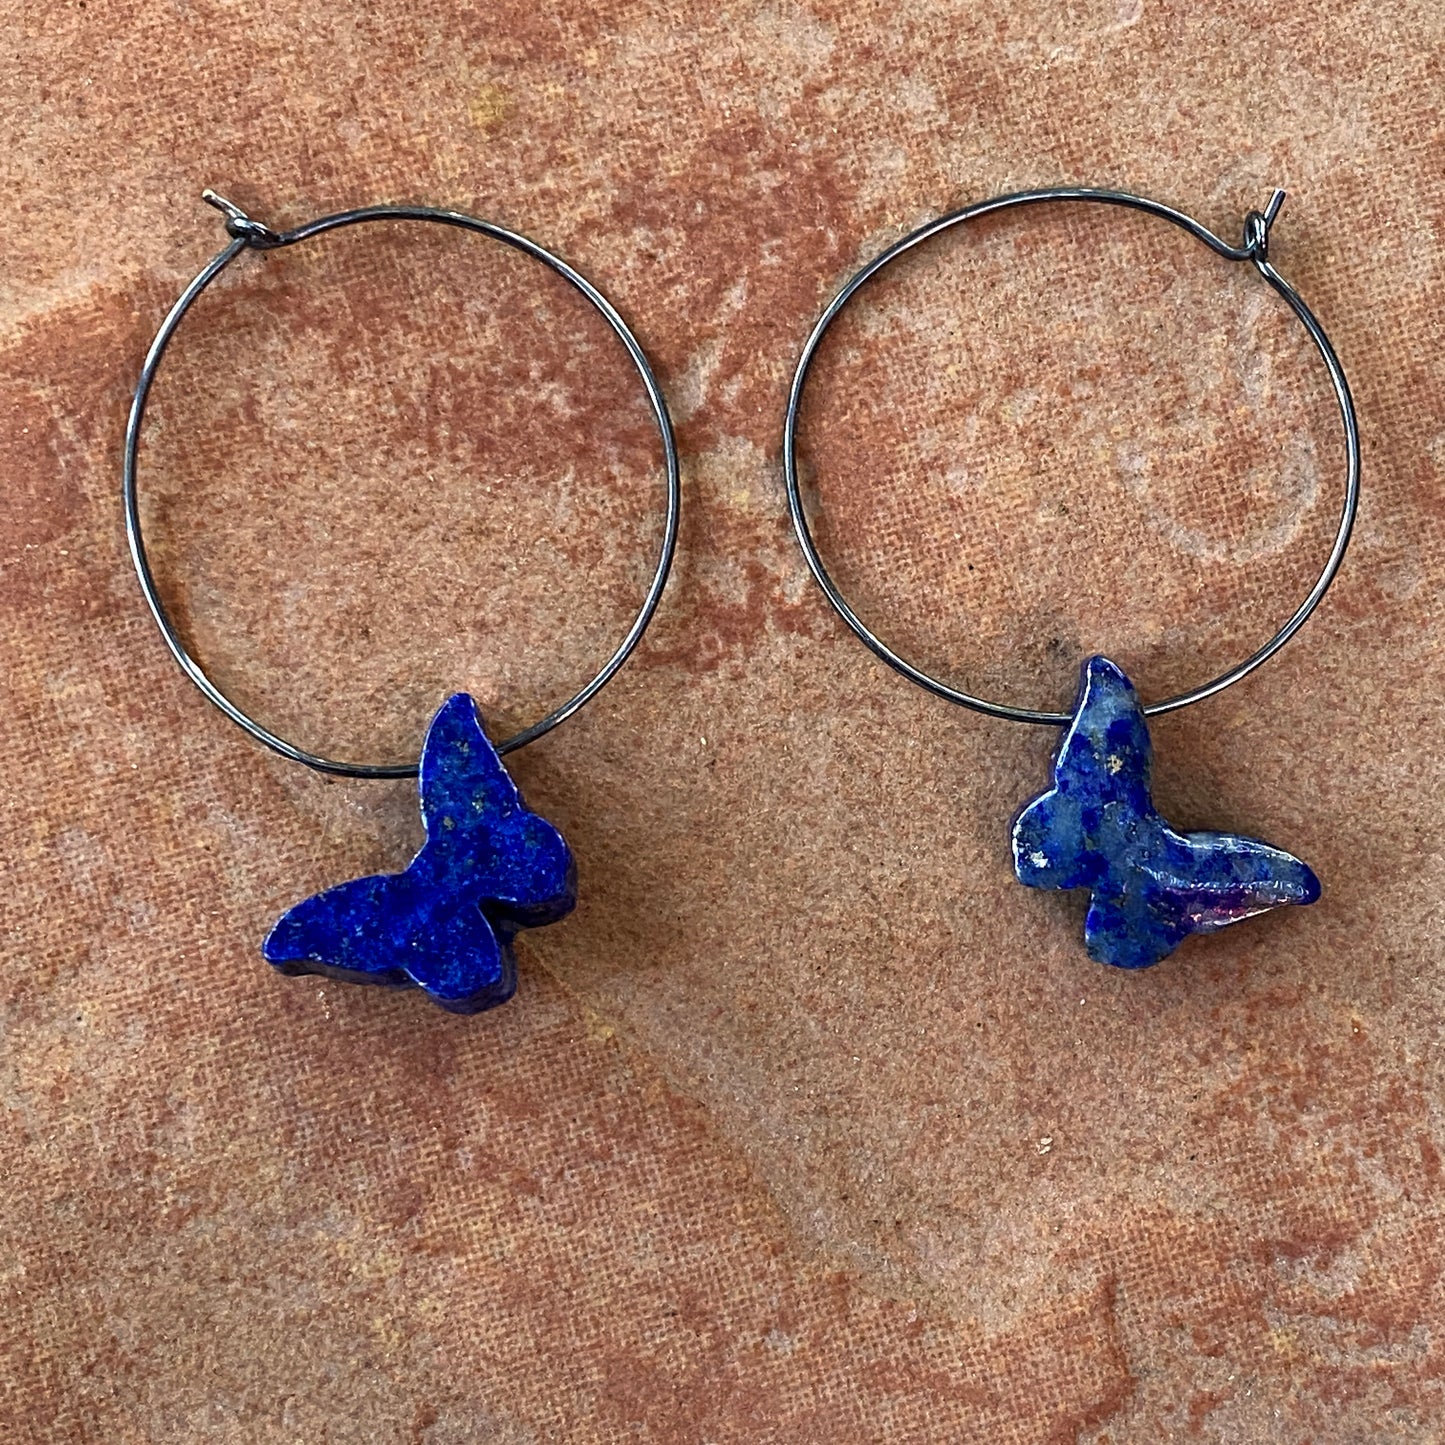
[(490, 867), (1096, 827)]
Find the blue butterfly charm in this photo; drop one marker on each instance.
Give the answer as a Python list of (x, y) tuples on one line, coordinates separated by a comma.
[(1096, 828), (489, 868)]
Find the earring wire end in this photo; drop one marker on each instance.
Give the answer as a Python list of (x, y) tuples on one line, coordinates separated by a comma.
[(240, 226)]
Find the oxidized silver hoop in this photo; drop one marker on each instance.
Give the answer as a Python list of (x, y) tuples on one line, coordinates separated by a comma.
[(490, 867), (1096, 828), (249, 234), (1255, 249)]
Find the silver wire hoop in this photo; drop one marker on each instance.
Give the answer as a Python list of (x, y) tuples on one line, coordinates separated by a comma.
[(1255, 249), (249, 234)]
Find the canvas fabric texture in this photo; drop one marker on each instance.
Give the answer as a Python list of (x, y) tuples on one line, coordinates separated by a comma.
[(810, 1124)]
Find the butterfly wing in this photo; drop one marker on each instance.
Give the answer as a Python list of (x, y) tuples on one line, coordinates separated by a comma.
[(336, 933), (1072, 835), (464, 785), (1048, 844), (1191, 883), (460, 960), (482, 841), (389, 929), (1215, 879), (1134, 929), (1107, 744)]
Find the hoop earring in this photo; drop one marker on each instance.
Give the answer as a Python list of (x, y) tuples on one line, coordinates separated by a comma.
[(489, 867), (1096, 827)]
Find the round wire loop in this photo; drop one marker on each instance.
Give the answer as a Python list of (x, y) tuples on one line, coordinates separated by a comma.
[(248, 234), (1255, 249)]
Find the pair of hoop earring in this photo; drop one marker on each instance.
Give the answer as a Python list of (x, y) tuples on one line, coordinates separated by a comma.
[(490, 867)]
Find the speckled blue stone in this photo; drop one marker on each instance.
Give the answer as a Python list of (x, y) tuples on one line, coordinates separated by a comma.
[(489, 868), (1096, 828)]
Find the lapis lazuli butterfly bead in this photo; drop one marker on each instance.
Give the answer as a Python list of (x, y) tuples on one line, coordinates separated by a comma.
[(489, 869), (1096, 828)]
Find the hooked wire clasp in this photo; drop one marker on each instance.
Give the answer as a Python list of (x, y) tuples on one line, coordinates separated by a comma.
[(1256, 230), (240, 226)]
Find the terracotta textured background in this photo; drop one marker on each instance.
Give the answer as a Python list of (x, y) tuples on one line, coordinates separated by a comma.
[(809, 1125)]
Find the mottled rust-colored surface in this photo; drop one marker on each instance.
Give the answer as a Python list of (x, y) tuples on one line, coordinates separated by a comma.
[(810, 1125)]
